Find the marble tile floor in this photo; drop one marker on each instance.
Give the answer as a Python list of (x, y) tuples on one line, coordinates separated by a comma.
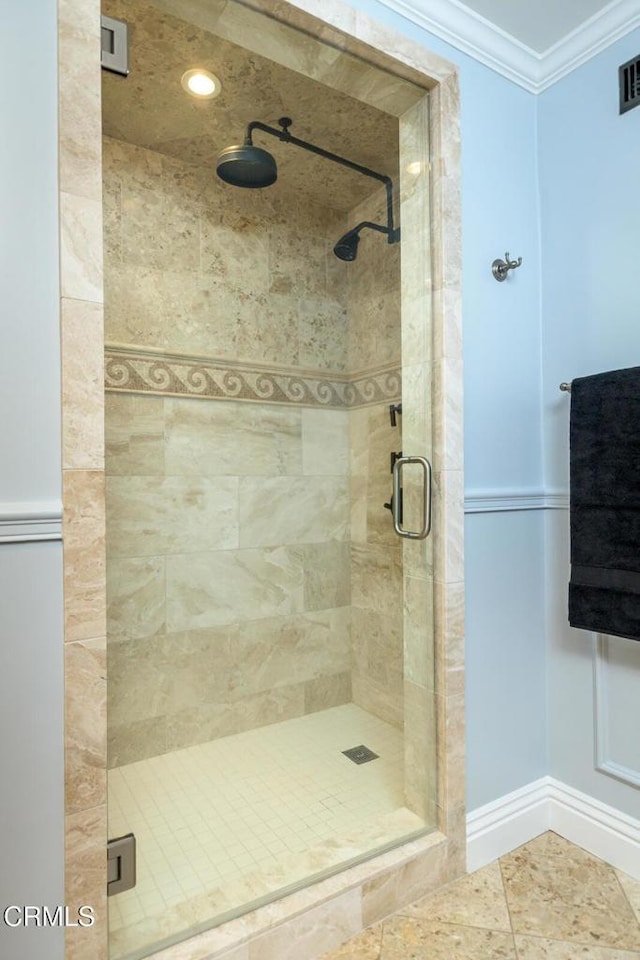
[(547, 900), (226, 823)]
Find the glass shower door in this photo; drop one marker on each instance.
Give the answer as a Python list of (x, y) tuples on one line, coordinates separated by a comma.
[(270, 644)]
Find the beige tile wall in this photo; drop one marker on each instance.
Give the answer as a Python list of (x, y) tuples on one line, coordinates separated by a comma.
[(374, 312), (373, 287), (228, 568), (195, 266), (228, 523), (376, 567)]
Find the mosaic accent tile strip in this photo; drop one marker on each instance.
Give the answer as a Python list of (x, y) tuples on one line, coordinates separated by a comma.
[(210, 379), (370, 388)]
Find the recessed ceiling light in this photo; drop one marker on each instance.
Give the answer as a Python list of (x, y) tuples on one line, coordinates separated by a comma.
[(201, 84)]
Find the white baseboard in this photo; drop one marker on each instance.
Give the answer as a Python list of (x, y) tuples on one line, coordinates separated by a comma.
[(501, 826), (548, 804), (602, 830)]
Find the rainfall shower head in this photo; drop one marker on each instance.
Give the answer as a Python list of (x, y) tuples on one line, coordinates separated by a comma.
[(244, 165)]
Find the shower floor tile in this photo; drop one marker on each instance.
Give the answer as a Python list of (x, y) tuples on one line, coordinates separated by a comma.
[(231, 821)]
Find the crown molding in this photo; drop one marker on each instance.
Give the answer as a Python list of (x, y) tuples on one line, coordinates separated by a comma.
[(590, 38), (466, 30)]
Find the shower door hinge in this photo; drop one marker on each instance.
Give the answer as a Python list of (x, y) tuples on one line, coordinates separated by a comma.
[(115, 45), (121, 864)]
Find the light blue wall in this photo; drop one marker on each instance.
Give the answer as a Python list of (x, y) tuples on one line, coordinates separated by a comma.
[(29, 252), (590, 214), (506, 728), (31, 643), (31, 748), (505, 630), (590, 206)]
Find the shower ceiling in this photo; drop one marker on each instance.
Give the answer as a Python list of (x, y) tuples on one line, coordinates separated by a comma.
[(151, 109)]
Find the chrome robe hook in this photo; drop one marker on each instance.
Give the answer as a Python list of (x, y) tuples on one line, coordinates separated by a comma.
[(500, 268)]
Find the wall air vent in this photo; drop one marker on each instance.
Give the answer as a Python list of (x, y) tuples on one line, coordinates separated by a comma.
[(629, 75), (115, 45)]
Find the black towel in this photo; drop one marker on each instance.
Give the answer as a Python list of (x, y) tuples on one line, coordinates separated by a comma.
[(604, 593)]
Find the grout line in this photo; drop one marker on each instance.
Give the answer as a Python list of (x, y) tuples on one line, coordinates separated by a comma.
[(626, 895), (581, 943), (506, 900)]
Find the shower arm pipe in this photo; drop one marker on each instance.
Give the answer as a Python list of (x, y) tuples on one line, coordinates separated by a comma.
[(370, 225), (283, 134)]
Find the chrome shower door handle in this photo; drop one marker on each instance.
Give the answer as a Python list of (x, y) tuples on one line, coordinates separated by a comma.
[(423, 533)]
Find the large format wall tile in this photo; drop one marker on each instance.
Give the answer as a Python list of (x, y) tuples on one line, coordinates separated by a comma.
[(328, 691), (81, 247), (323, 331), (293, 510), (149, 516), (135, 597), (279, 651), (377, 665), (156, 234), (134, 435), (211, 589), (327, 575), (376, 577), (79, 104), (85, 876), (373, 293), (325, 442), (164, 674), (242, 439), (230, 249), (196, 724), (377, 646), (82, 384), (134, 297), (84, 549), (85, 724), (268, 331)]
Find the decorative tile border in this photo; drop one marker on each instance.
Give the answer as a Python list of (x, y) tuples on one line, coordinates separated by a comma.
[(368, 388), (142, 371)]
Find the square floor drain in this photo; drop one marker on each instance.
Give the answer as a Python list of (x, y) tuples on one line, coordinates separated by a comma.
[(360, 754)]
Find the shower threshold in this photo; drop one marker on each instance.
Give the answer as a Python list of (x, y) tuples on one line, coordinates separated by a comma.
[(225, 824)]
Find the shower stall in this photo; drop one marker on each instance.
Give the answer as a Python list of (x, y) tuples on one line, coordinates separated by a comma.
[(270, 575)]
